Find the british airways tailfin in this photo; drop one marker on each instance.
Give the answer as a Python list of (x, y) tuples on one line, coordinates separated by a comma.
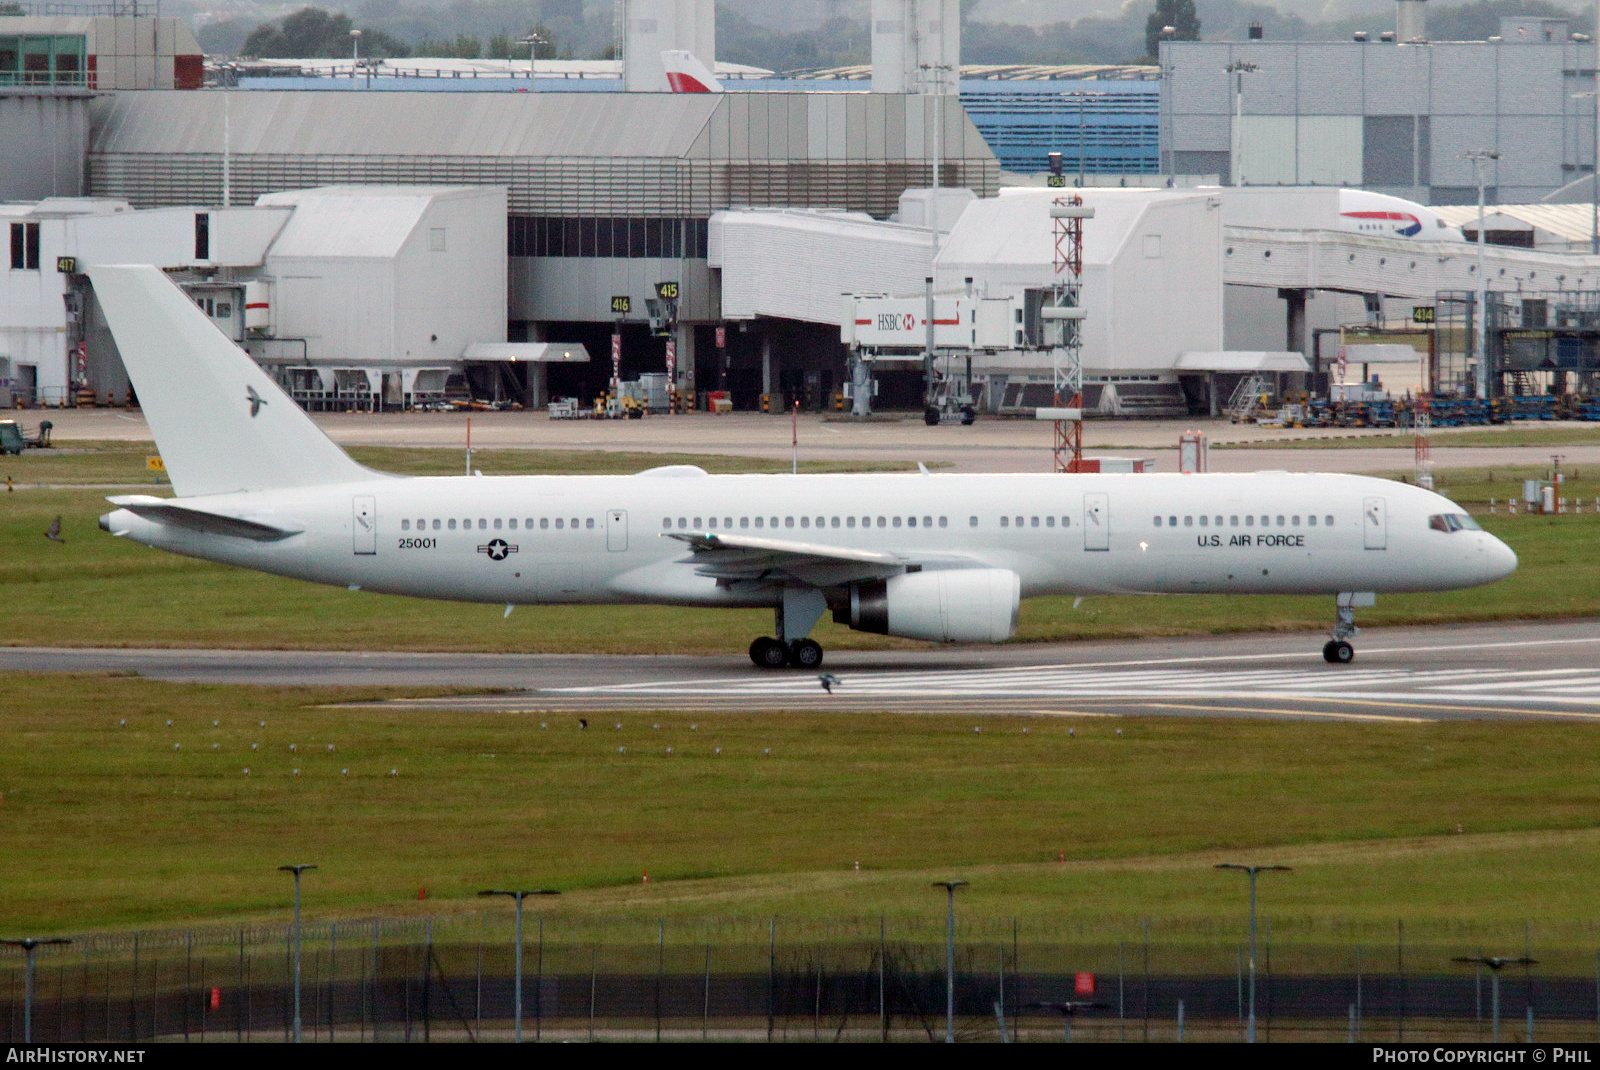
[(220, 422), (685, 74)]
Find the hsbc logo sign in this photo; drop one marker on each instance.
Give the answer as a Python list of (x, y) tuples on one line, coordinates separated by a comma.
[(899, 322)]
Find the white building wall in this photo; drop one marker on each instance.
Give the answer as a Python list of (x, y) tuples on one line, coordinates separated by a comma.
[(653, 26), (358, 277), (916, 46), (798, 264), (1152, 272), (450, 278), (1163, 293)]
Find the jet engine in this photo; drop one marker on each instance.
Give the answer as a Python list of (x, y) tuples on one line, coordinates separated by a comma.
[(950, 605)]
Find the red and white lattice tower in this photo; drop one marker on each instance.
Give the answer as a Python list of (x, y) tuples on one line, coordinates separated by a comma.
[(1067, 215)]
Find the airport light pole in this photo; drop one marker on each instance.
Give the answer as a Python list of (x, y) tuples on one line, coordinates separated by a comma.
[(296, 870), (1478, 158), (1594, 175), (355, 56), (1252, 871), (519, 896), (1495, 964), (950, 959), (533, 41), (933, 83), (1238, 68), (29, 945)]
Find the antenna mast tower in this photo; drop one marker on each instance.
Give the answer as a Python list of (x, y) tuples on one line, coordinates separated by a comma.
[(1066, 311)]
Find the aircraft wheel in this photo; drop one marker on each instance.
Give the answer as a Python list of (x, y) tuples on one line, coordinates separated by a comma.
[(805, 654), (1338, 652), (769, 653), (930, 416), (969, 415)]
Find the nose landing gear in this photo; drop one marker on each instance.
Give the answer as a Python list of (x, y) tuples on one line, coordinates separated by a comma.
[(1338, 651)]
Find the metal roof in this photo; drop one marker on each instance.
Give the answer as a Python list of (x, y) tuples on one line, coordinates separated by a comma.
[(428, 66), (1569, 222), (1242, 360), (610, 126), (1013, 72), (292, 123), (527, 352), (352, 221)]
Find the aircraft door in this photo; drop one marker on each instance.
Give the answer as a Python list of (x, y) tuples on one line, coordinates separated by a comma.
[(1096, 522), (617, 530), (1374, 524), (364, 524)]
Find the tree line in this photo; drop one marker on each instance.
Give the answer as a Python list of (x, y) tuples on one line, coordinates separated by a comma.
[(471, 29)]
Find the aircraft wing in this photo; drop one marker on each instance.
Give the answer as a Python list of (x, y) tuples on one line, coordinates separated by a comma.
[(741, 557), (166, 511)]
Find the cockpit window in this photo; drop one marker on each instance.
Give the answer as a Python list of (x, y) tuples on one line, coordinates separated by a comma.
[(1453, 522)]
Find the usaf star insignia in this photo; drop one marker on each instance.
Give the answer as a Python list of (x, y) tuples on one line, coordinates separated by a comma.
[(497, 549)]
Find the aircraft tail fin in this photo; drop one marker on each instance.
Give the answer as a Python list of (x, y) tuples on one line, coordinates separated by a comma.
[(686, 74), (220, 422)]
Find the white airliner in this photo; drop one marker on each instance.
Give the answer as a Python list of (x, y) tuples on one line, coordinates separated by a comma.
[(935, 557), (1380, 215)]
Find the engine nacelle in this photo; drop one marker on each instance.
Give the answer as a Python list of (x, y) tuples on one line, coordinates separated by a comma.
[(977, 605)]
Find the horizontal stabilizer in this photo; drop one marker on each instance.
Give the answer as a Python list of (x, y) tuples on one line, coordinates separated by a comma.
[(165, 511)]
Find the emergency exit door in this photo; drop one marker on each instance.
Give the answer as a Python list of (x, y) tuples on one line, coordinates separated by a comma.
[(364, 524), (617, 530)]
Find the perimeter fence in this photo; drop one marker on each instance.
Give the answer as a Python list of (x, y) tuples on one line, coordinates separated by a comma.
[(453, 979)]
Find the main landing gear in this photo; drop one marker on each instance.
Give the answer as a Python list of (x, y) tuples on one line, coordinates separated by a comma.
[(797, 612), (1338, 651), (770, 653)]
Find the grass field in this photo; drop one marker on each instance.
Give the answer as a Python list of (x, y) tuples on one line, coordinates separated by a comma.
[(148, 824), (97, 591)]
